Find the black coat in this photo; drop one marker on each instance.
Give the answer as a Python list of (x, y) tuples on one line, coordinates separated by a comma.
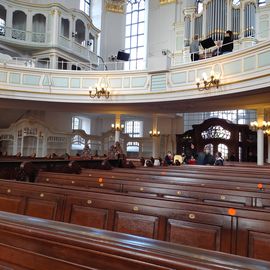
[(227, 45)]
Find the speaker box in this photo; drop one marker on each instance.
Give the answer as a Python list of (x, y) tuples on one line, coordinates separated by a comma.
[(123, 56)]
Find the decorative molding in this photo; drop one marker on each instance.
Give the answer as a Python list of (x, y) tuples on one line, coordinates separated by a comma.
[(164, 2), (116, 6), (53, 11)]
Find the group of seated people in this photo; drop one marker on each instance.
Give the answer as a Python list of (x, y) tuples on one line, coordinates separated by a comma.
[(222, 47), (190, 156)]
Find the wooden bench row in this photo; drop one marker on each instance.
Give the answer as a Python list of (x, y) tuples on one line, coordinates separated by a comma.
[(31, 243), (222, 195), (213, 174), (244, 232), (211, 183)]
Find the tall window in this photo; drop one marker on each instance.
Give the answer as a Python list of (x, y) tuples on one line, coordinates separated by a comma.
[(134, 38), (223, 149), (76, 123), (85, 6), (261, 2), (134, 128), (199, 6), (236, 2), (235, 116)]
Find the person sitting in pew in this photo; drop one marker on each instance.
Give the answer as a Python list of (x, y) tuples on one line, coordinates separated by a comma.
[(208, 158), (219, 159), (168, 160)]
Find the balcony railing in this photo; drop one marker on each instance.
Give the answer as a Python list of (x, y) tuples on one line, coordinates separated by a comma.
[(11, 34)]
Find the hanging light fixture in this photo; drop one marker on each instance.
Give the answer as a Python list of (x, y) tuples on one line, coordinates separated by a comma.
[(154, 133), (265, 126), (117, 127), (101, 89), (206, 82)]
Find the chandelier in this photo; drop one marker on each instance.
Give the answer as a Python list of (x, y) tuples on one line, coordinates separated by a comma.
[(265, 126), (206, 82), (154, 133), (101, 89), (117, 127)]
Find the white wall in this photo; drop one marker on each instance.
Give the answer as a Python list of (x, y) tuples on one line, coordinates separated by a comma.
[(112, 36), (161, 21)]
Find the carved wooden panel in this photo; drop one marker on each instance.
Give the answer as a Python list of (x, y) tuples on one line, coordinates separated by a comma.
[(253, 238), (88, 216), (10, 204), (136, 224), (41, 209), (259, 245), (194, 234)]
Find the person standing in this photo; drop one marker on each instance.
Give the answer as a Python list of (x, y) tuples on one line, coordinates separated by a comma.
[(194, 48), (227, 45)]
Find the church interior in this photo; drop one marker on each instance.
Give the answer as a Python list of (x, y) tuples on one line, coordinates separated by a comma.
[(134, 134)]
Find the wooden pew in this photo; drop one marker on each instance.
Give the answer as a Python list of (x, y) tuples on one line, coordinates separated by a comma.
[(32, 243), (219, 182), (244, 197), (195, 224)]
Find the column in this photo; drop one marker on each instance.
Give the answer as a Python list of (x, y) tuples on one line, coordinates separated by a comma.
[(260, 138), (242, 19), (9, 17), (204, 21), (155, 138), (55, 26), (189, 29), (117, 127), (29, 27), (229, 15), (53, 61)]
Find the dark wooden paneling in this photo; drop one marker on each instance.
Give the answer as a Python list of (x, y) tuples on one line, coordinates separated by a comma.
[(253, 238), (136, 224), (10, 204), (194, 234), (259, 246), (41, 209), (88, 216)]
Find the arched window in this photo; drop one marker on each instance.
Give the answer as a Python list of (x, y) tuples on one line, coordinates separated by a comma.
[(80, 32), (223, 149), (19, 25), (133, 147), (39, 28), (134, 128), (135, 37), (65, 27)]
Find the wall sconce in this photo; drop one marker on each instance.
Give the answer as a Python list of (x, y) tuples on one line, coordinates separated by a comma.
[(206, 83), (265, 126), (154, 133), (117, 127), (101, 90)]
